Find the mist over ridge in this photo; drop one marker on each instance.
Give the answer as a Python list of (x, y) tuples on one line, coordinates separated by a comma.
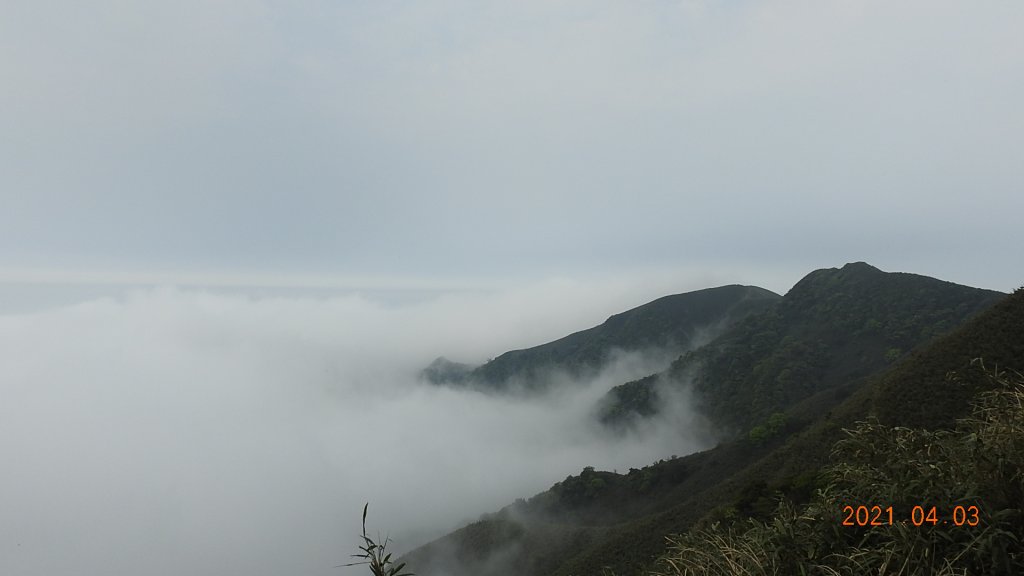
[(667, 326), (235, 433), (849, 341)]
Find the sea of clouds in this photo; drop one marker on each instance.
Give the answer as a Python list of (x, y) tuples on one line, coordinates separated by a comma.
[(189, 431)]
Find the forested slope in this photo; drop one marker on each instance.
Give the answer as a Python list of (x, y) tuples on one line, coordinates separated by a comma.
[(597, 519)]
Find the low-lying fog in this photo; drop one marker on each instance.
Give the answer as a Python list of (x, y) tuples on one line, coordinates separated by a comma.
[(190, 432)]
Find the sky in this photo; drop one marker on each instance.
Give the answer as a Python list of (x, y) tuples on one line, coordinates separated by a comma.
[(233, 231), (453, 143)]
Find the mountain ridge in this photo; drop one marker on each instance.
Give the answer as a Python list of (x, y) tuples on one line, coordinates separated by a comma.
[(670, 322), (595, 520), (835, 325)]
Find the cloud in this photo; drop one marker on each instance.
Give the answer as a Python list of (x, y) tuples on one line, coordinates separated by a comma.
[(178, 431)]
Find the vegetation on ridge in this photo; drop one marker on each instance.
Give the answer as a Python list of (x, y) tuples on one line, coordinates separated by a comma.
[(601, 520), (834, 327), (896, 500)]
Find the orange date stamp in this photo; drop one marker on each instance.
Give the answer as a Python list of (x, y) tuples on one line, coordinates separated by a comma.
[(919, 516)]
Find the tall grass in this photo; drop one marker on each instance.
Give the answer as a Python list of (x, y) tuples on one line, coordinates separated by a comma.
[(375, 555), (980, 463)]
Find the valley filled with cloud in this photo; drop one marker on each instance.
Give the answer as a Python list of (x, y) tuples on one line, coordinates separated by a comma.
[(189, 431)]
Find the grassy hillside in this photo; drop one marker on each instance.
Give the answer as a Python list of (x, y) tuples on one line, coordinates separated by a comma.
[(895, 500), (599, 520), (672, 322)]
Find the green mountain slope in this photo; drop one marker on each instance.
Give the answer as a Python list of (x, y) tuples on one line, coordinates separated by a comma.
[(742, 478), (672, 322), (834, 327), (599, 520), (894, 500)]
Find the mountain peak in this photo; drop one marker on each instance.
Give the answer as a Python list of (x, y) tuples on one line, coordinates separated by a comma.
[(830, 279), (859, 267)]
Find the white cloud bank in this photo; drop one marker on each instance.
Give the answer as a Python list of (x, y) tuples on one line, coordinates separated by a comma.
[(187, 432)]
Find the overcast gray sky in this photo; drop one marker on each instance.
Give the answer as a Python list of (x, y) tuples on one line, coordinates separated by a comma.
[(453, 142)]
